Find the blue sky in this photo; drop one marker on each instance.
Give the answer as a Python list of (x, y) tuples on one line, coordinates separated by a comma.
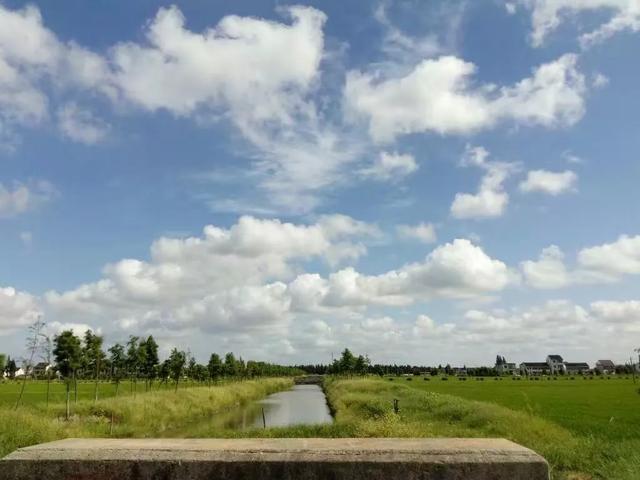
[(426, 182)]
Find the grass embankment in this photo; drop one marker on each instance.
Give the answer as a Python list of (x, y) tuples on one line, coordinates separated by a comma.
[(147, 415)]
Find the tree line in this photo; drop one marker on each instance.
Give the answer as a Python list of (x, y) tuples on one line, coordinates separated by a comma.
[(72, 358)]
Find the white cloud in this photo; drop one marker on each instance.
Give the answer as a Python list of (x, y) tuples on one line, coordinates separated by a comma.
[(424, 232), (612, 260), (552, 183), (31, 59), (24, 197), (622, 313), (491, 200), (598, 264), (548, 15), (391, 166), (80, 125), (549, 271), (17, 310), (198, 282), (438, 96)]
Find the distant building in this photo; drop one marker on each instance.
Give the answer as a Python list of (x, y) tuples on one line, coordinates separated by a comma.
[(605, 366), (503, 367), (576, 368), (556, 364), (534, 368), (41, 369)]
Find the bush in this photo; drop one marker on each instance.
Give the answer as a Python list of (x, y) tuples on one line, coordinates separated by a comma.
[(426, 379), (409, 379), (444, 379)]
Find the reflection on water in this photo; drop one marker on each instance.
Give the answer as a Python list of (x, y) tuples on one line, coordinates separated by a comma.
[(304, 404)]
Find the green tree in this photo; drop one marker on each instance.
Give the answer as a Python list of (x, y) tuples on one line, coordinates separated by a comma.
[(118, 359), (151, 359), (347, 362), (136, 356), (94, 357), (177, 361), (361, 365), (3, 363), (68, 354), (230, 365), (11, 368), (214, 367)]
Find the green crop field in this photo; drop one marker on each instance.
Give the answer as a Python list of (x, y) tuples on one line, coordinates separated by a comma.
[(608, 408)]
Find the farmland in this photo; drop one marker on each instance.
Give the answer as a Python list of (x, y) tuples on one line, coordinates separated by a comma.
[(608, 408)]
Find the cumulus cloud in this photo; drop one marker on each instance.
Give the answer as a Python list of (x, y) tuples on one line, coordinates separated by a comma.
[(424, 232), (438, 95), (604, 263), (391, 166), (21, 198), (549, 271), (548, 15), (491, 200), (17, 309), (622, 313), (552, 183), (612, 260)]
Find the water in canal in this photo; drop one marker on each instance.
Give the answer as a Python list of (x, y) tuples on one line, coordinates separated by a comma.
[(304, 404)]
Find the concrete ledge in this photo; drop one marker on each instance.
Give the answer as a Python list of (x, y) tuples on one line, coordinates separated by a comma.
[(282, 459)]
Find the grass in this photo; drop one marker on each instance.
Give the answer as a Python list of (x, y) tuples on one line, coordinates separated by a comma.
[(149, 414), (608, 409), (35, 391)]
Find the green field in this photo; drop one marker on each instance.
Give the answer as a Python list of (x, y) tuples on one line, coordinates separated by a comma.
[(599, 407)]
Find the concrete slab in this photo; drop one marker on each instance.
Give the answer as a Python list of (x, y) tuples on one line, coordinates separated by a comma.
[(281, 458)]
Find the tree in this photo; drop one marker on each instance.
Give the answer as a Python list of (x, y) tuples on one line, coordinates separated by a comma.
[(151, 359), (118, 360), (68, 354), (3, 363), (361, 365), (33, 345), (11, 368), (177, 361), (347, 362), (230, 365), (135, 359), (93, 357), (214, 367)]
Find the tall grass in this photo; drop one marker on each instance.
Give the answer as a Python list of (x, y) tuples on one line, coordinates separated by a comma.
[(147, 415)]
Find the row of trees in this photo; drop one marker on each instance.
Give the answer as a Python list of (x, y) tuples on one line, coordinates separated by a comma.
[(72, 358)]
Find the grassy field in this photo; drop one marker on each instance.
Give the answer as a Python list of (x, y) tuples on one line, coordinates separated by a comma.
[(603, 408)]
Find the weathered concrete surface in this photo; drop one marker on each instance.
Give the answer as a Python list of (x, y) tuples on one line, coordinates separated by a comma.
[(282, 459)]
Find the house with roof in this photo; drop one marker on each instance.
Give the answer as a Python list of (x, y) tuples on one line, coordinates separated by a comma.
[(534, 368), (605, 366), (503, 367), (556, 364), (578, 368)]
